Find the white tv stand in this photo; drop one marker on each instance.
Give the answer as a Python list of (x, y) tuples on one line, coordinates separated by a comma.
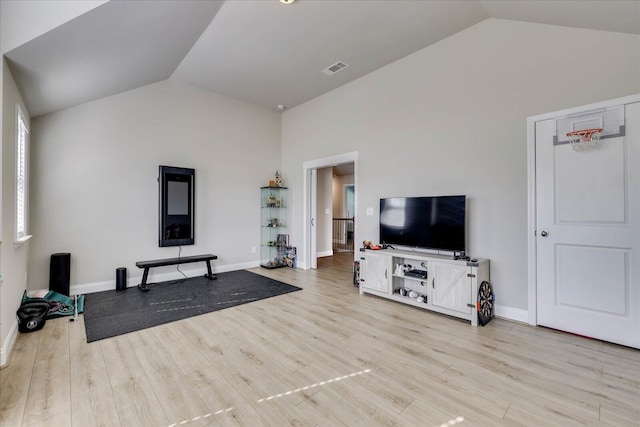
[(451, 286)]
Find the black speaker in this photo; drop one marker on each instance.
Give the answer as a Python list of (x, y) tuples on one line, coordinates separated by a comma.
[(121, 279), (60, 273)]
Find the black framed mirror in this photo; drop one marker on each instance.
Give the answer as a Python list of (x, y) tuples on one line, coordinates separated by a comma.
[(176, 206)]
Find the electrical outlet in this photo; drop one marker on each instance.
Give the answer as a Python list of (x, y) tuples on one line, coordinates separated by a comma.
[(253, 249)]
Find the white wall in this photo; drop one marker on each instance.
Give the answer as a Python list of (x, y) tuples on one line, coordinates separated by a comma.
[(451, 119), (13, 259), (95, 169), (338, 194), (2, 67), (325, 221), (21, 21)]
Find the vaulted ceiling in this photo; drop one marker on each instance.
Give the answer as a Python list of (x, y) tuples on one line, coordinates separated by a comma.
[(261, 51)]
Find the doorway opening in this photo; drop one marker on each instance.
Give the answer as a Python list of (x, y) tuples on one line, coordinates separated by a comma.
[(330, 210), (343, 209)]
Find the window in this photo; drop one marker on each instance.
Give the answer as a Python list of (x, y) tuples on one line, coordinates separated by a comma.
[(22, 145)]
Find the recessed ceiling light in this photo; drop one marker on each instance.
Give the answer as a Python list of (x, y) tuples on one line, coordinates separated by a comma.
[(282, 107), (287, 1)]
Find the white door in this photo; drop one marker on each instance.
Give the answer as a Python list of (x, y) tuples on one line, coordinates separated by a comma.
[(588, 233), (313, 212)]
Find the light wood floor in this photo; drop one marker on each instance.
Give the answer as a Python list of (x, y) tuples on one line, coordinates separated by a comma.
[(324, 356)]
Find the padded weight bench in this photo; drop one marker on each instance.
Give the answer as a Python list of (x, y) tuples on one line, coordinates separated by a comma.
[(174, 261)]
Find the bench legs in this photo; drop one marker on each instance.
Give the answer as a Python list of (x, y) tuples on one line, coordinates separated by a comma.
[(143, 286), (209, 274)]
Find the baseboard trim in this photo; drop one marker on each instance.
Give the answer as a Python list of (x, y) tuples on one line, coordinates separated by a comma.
[(325, 253), (7, 345), (109, 285), (505, 312), (512, 313)]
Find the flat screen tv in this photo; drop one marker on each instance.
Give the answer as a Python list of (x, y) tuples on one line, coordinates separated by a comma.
[(424, 222)]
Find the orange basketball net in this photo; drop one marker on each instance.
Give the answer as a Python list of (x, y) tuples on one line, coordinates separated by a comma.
[(582, 139)]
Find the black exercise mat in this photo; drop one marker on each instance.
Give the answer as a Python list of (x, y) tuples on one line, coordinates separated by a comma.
[(111, 313)]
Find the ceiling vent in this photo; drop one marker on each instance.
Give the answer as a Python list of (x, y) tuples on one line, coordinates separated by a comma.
[(332, 69)]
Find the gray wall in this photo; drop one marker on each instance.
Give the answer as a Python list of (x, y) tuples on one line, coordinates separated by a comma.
[(451, 119), (95, 169), (338, 194), (14, 257)]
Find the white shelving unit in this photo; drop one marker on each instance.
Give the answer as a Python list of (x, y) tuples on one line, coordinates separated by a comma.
[(273, 234)]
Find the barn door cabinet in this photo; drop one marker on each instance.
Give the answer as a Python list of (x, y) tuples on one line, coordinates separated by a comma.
[(449, 287), (375, 273)]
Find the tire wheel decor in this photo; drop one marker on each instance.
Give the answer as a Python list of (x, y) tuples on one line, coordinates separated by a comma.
[(356, 273), (485, 305)]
